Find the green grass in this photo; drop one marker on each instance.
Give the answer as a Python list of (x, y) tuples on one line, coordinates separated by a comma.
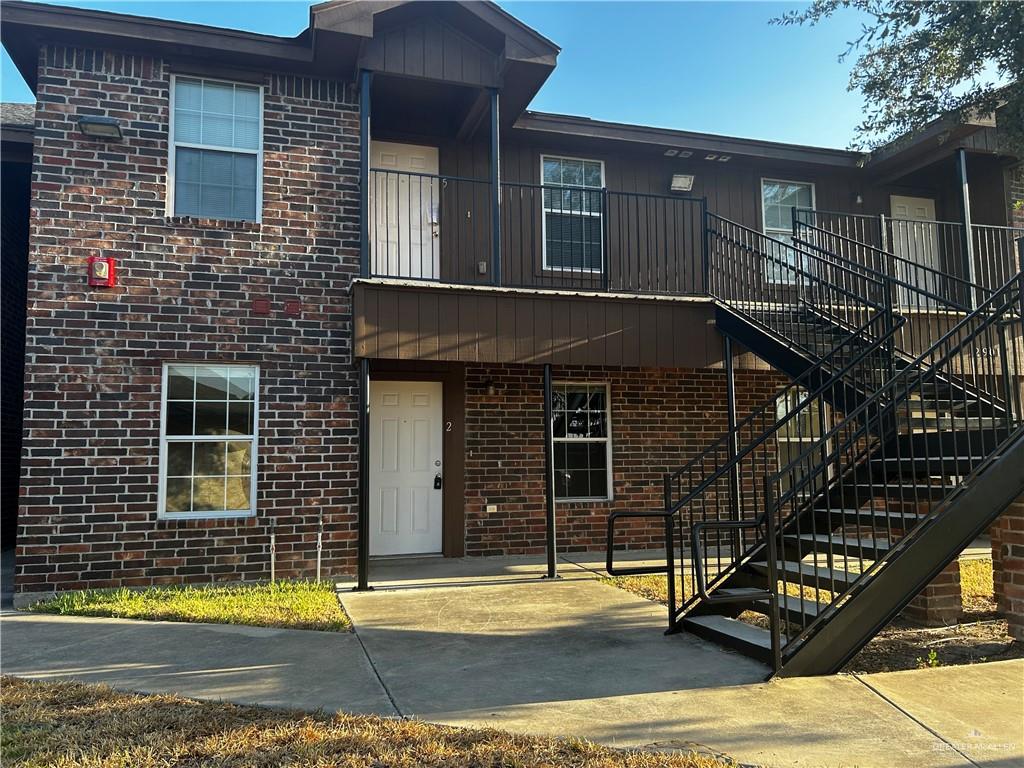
[(289, 605), (71, 725), (975, 584)]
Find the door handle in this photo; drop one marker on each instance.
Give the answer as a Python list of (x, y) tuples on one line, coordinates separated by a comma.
[(437, 481)]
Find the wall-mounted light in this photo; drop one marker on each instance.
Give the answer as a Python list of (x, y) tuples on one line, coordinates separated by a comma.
[(682, 182), (96, 127), (491, 389), (859, 200)]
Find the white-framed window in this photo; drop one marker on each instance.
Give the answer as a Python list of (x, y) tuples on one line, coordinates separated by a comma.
[(798, 434), (208, 440), (215, 167), (582, 441), (778, 199), (573, 223)]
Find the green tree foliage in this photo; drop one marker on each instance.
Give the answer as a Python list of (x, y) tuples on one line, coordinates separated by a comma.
[(919, 60)]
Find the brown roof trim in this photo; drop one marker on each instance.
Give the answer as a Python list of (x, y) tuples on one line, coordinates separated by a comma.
[(599, 129), (25, 23)]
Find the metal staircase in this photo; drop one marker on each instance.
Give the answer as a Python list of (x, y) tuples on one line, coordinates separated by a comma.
[(899, 440)]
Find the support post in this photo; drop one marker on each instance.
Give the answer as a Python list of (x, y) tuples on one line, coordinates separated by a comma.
[(363, 523), (495, 189), (965, 209), (365, 79), (733, 443), (549, 475)]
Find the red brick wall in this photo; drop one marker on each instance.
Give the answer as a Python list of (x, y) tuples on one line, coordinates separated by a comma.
[(660, 419), (1008, 566), (89, 477)]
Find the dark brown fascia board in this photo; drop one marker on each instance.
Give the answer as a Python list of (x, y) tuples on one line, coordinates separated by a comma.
[(542, 122), (133, 32), (16, 134), (939, 134)]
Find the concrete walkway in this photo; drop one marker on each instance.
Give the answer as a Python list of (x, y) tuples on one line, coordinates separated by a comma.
[(485, 642)]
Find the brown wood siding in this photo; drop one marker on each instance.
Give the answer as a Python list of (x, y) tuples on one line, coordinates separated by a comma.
[(462, 325), (431, 49)]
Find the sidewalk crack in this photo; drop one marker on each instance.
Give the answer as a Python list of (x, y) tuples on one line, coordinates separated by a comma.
[(913, 719), (376, 673)]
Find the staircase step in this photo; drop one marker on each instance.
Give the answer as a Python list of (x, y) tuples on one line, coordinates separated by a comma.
[(796, 610), (808, 543), (732, 633), (898, 491), (932, 466), (808, 575)]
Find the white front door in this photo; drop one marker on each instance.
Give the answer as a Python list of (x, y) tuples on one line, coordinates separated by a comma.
[(405, 450), (405, 207), (915, 237)]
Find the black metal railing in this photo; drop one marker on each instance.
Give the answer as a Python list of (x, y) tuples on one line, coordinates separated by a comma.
[(440, 228), (941, 255), (806, 298), (766, 489), (893, 459)]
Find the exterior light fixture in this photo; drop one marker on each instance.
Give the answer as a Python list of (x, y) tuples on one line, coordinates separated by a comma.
[(96, 127), (682, 182)]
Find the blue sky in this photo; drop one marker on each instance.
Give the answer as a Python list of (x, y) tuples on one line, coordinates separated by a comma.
[(702, 66)]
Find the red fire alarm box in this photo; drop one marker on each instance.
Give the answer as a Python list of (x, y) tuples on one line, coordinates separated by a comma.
[(102, 271)]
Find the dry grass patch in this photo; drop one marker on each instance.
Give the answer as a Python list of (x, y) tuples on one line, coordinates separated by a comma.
[(288, 605), (70, 725), (976, 586)]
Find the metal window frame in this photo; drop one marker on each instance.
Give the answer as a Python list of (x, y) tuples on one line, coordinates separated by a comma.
[(165, 439), (172, 146), (769, 230), (610, 496), (545, 266)]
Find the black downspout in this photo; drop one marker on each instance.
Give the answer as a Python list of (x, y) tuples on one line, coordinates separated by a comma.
[(549, 474), (363, 523), (495, 189), (365, 78), (965, 210)]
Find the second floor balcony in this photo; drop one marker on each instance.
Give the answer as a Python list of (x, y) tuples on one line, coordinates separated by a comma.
[(574, 237), (583, 237)]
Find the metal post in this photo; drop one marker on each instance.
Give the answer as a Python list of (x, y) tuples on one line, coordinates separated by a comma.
[(319, 544), (549, 474), (965, 208), (365, 78), (705, 265), (273, 551), (670, 555), (495, 189), (363, 523), (733, 443), (883, 244)]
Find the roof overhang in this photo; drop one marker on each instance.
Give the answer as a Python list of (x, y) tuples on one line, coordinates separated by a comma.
[(546, 123), (329, 47)]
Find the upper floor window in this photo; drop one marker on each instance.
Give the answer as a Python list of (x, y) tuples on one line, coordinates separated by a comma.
[(573, 225), (216, 167), (778, 199)]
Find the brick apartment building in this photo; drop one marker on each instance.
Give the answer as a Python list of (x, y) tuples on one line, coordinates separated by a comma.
[(236, 241)]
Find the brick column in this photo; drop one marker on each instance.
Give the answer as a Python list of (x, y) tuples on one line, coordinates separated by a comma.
[(940, 603), (1008, 566)]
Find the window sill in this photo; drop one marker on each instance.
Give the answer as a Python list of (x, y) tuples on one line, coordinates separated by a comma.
[(237, 225), (202, 516)]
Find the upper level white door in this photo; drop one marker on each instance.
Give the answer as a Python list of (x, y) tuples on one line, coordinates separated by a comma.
[(915, 237), (405, 206), (405, 467)]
